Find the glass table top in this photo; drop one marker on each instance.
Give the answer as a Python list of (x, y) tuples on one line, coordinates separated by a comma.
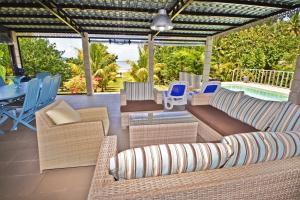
[(144, 118)]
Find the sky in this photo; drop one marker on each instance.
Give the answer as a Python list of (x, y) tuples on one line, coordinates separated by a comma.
[(124, 52)]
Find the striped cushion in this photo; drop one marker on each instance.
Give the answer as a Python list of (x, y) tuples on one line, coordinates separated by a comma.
[(138, 91), (255, 112), (256, 147), (288, 118), (166, 159), (225, 99)]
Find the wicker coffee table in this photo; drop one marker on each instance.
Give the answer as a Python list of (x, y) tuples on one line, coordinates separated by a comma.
[(162, 128)]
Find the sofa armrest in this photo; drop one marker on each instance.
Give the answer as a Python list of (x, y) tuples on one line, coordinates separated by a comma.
[(158, 96), (123, 97), (200, 99), (101, 176)]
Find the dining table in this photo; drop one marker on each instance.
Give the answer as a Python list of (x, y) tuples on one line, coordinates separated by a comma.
[(9, 93)]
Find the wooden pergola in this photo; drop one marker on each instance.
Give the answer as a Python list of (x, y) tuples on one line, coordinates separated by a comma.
[(196, 22)]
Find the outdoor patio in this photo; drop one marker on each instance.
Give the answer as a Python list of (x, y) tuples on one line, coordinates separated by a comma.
[(223, 144)]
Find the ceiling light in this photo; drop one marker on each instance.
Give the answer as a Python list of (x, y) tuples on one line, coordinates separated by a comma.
[(161, 22)]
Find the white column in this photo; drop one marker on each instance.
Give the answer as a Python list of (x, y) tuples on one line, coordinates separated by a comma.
[(15, 51), (207, 59), (295, 89), (150, 59), (86, 63)]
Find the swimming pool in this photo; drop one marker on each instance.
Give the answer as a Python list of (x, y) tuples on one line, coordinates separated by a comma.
[(257, 92)]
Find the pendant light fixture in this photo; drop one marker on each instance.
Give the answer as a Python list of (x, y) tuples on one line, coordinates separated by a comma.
[(161, 22)]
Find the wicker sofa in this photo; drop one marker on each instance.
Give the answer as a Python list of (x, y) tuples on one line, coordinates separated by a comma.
[(139, 97), (238, 113), (268, 180), (71, 145)]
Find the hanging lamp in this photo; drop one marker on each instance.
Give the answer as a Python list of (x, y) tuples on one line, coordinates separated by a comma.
[(161, 22)]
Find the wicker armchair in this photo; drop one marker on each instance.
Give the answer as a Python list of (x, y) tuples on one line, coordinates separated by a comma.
[(71, 145)]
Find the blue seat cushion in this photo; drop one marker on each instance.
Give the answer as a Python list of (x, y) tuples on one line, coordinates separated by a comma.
[(210, 89), (178, 90)]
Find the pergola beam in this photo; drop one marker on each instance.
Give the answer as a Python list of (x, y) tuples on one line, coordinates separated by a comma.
[(250, 3), (212, 14), (150, 60), (295, 89), (87, 64), (116, 19), (207, 59), (107, 37), (254, 22), (157, 39), (81, 7), (14, 50), (50, 30), (4, 28), (112, 8), (60, 14), (177, 9), (104, 26)]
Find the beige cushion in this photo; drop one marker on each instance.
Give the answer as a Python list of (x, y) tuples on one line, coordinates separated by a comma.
[(63, 113)]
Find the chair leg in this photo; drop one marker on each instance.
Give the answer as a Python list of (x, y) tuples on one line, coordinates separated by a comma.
[(28, 125), (15, 125), (3, 118), (16, 122)]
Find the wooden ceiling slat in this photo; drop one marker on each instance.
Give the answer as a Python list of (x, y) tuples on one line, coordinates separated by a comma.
[(192, 17)]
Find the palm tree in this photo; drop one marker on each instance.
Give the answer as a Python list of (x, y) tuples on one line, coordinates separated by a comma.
[(103, 64), (295, 24), (139, 70)]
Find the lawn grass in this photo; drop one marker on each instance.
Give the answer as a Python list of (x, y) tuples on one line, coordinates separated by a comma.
[(117, 85)]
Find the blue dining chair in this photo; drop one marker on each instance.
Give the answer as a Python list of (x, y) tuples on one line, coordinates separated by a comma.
[(43, 99), (2, 83), (55, 83), (3, 117), (42, 75), (27, 113)]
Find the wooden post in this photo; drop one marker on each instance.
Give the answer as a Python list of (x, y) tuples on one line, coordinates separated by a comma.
[(207, 59), (295, 89), (86, 63), (151, 59), (15, 51)]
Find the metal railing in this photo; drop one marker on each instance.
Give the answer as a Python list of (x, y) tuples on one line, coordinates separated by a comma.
[(269, 77)]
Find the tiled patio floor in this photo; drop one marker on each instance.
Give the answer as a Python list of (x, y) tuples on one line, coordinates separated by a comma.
[(19, 167)]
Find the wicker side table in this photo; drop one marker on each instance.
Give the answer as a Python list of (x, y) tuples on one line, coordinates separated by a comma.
[(162, 128)]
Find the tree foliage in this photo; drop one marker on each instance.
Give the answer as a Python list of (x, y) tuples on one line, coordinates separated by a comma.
[(100, 57), (139, 69), (5, 65), (103, 66), (169, 61), (40, 55), (270, 46)]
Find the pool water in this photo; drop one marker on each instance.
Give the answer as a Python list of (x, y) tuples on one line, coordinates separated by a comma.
[(259, 93)]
